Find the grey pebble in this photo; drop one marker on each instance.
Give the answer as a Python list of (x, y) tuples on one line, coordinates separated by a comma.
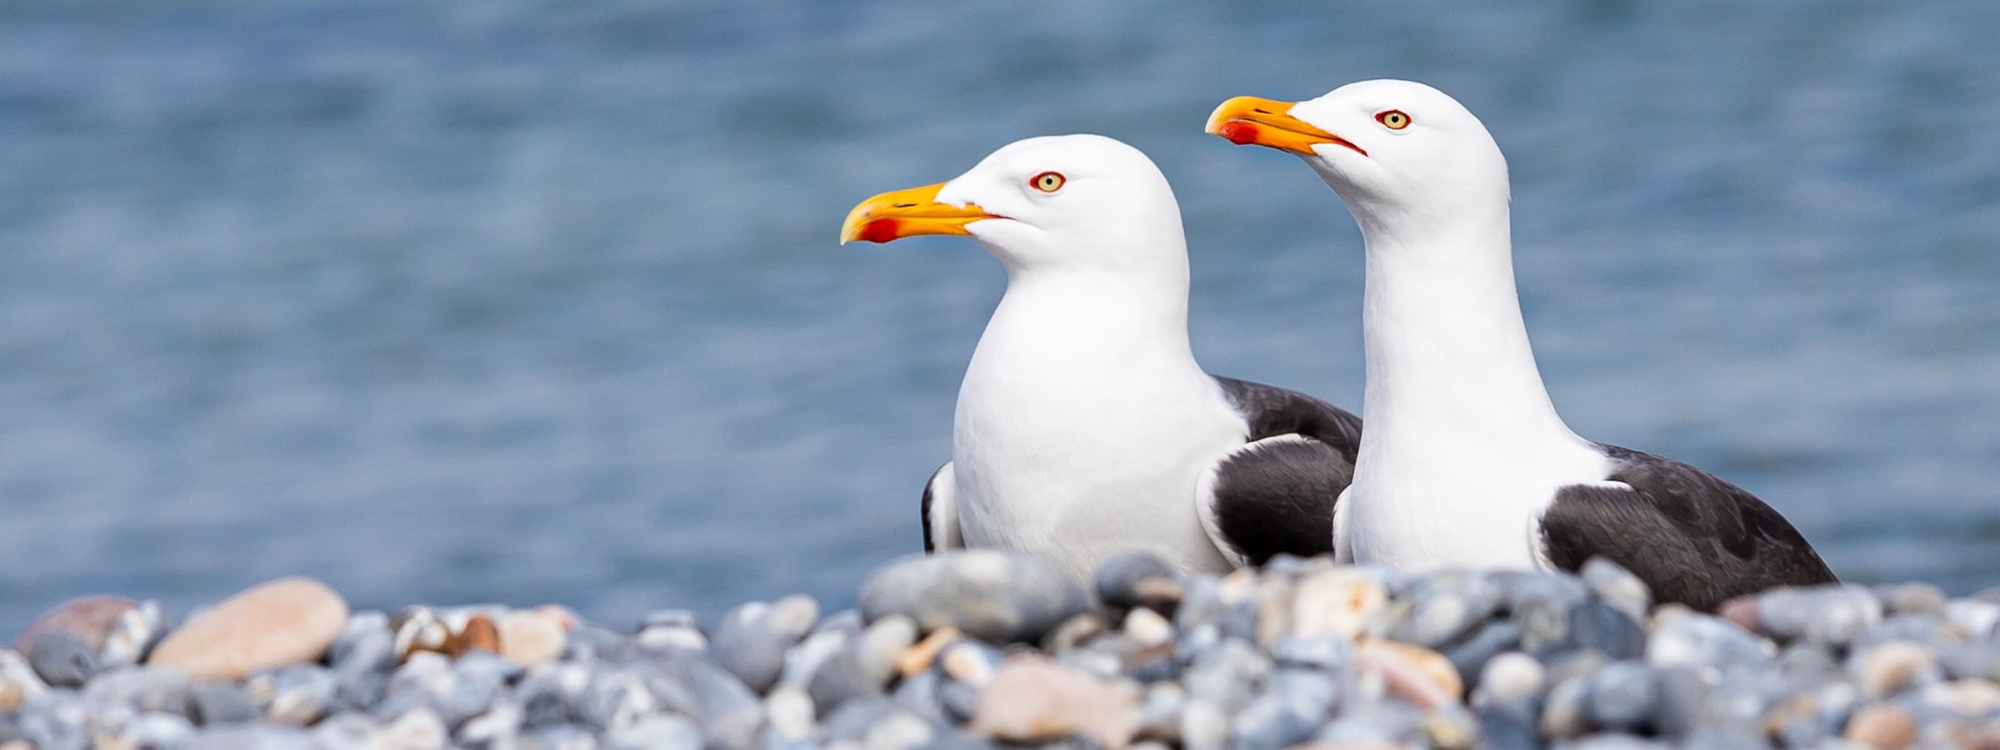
[(988, 594), (249, 737), (1139, 579), (366, 644), (296, 695), (864, 666), (1470, 655), (213, 702), (751, 639), (656, 732), (63, 659), (1692, 639), (143, 689), (1617, 587), (1622, 697), (497, 728), (1445, 606), (1603, 628)]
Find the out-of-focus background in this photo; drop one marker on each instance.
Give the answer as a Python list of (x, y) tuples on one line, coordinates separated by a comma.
[(506, 300)]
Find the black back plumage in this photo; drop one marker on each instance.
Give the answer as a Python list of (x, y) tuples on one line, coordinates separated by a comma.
[(1279, 496), (1694, 538)]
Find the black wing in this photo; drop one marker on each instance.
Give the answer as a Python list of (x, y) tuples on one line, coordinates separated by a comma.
[(1692, 537), (939, 512), (1276, 494)]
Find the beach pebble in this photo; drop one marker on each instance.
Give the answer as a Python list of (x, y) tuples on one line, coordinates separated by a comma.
[(1138, 579), (63, 659), (1031, 699), (214, 702), (1622, 697), (1882, 726), (988, 594), (1696, 640), (18, 680), (1600, 627), (1511, 678), (1445, 606), (751, 639), (530, 637), (1891, 667), (145, 689), (1423, 677), (1336, 603), (1617, 587), (283, 622)]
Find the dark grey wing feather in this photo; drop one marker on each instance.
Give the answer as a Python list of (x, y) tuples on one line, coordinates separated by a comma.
[(1694, 538), (1276, 494)]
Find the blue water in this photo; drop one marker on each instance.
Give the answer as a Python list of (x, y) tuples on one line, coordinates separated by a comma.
[(505, 300)]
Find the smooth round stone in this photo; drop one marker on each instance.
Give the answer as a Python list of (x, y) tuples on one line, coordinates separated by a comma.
[(1415, 674), (1622, 697), (63, 659), (656, 732), (1698, 640), (865, 666), (1977, 660), (1507, 727), (151, 689), (727, 710), (249, 737), (1884, 726), (970, 662), (1832, 615), (1601, 627), (959, 701), (1032, 699), (366, 644), (1963, 697), (1912, 598), (1893, 667), (297, 695), (1160, 713), (1510, 678), (1977, 618), (988, 594), (806, 658), (614, 699), (18, 681), (498, 727), (1613, 742), (213, 702), (1445, 606), (1328, 653), (1565, 713), (1470, 655), (530, 637), (91, 618), (287, 621), (152, 730), (1805, 661), (752, 638), (1138, 579), (1617, 587), (1277, 720), (1684, 695), (1224, 675), (593, 643), (1372, 724), (918, 658), (1336, 603), (559, 737), (1148, 629)]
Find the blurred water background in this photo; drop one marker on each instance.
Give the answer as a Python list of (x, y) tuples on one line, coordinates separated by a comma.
[(526, 301)]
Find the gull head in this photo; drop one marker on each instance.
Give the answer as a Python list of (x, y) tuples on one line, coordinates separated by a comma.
[(1069, 201)]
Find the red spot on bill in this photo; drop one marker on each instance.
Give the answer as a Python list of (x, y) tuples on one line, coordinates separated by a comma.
[(881, 230), (1238, 132)]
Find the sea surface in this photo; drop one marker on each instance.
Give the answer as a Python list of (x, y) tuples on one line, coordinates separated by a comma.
[(540, 301)]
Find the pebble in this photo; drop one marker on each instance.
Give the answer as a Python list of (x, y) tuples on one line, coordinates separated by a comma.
[(1303, 654), (1031, 699), (988, 594), (282, 622), (1883, 726), (1138, 579)]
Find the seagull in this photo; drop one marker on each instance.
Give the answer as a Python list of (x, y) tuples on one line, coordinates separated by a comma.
[(1084, 428), (1465, 462)]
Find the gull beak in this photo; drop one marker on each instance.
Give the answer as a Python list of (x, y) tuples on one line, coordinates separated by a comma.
[(897, 214), (1250, 121)]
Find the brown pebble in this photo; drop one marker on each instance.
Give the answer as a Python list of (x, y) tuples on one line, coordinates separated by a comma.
[(17, 745), (286, 621), (1890, 667), (1032, 699), (1415, 674), (919, 657), (1338, 602), (1883, 726), (479, 634), (93, 617)]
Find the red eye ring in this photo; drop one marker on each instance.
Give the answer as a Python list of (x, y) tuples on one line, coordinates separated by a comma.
[(1393, 119), (1047, 182)]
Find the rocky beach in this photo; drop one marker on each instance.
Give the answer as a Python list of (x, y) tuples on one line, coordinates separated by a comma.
[(981, 650)]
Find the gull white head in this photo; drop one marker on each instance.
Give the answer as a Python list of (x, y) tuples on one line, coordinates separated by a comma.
[(1053, 202), (1400, 154)]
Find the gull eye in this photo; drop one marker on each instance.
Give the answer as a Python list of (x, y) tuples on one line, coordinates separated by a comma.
[(1048, 182), (1394, 119)]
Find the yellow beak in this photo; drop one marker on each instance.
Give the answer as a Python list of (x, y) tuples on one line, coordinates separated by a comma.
[(1250, 121), (897, 214)]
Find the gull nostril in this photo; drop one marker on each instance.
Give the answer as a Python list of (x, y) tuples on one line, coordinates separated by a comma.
[(1261, 111), (906, 205)]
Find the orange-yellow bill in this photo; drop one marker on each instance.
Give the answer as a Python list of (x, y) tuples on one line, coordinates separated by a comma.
[(897, 214), (1250, 121)]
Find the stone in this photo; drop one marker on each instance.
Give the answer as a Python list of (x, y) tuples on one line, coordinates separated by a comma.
[(1601, 627), (145, 689), (1423, 677), (287, 621), (1963, 697), (970, 662), (63, 658), (1912, 599), (1830, 615), (530, 637), (214, 702), (91, 618), (656, 732), (1892, 667), (1445, 606), (751, 640), (1032, 699), (865, 666), (1617, 587), (1882, 726), (1622, 697), (1691, 640), (1469, 656), (18, 680), (920, 656), (478, 634), (250, 737), (992, 595), (298, 695), (1138, 579), (1148, 629), (1564, 713), (1336, 603), (1510, 678)]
